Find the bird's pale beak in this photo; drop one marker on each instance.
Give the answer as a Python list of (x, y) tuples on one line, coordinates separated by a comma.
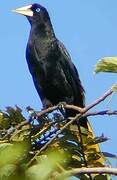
[(26, 10)]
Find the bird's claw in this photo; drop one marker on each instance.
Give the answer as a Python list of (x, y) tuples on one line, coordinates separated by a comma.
[(61, 105)]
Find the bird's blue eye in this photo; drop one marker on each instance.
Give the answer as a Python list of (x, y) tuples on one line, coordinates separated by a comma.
[(38, 10)]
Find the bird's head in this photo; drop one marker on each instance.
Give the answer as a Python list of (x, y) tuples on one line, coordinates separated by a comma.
[(34, 13)]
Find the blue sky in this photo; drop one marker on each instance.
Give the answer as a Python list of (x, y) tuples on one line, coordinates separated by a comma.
[(89, 31)]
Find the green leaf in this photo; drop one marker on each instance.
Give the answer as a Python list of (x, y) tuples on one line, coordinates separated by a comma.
[(6, 171), (12, 153), (3, 146), (46, 167), (114, 88), (15, 115), (4, 121), (107, 64)]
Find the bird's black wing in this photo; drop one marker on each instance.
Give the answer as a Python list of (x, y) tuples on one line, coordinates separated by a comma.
[(71, 75), (35, 72)]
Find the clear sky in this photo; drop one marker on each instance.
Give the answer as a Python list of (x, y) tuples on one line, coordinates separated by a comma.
[(88, 29)]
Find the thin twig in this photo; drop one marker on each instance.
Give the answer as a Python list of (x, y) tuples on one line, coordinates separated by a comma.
[(96, 102), (100, 170), (97, 113), (48, 110), (77, 117), (22, 124), (76, 108), (4, 141), (18, 132)]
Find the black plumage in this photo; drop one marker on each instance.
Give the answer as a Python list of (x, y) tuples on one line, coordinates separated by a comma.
[(54, 75)]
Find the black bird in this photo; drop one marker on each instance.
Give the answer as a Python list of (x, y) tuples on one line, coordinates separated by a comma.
[(54, 75)]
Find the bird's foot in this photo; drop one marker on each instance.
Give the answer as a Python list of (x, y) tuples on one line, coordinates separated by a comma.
[(61, 106), (46, 104)]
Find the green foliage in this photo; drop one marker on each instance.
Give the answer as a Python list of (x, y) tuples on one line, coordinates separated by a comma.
[(114, 88), (12, 158), (46, 167), (107, 64), (23, 156)]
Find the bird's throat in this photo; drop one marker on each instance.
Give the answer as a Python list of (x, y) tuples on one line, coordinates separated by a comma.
[(43, 31)]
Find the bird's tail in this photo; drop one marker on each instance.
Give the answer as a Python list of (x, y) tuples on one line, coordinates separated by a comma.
[(93, 153), (90, 148)]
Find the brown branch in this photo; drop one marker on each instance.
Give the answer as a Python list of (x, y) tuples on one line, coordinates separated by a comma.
[(100, 170), (77, 117), (48, 110), (76, 108), (22, 124), (4, 141), (18, 132), (96, 102), (99, 113), (67, 106)]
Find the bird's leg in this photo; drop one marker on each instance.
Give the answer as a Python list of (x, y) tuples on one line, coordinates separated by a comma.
[(61, 106), (46, 103)]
